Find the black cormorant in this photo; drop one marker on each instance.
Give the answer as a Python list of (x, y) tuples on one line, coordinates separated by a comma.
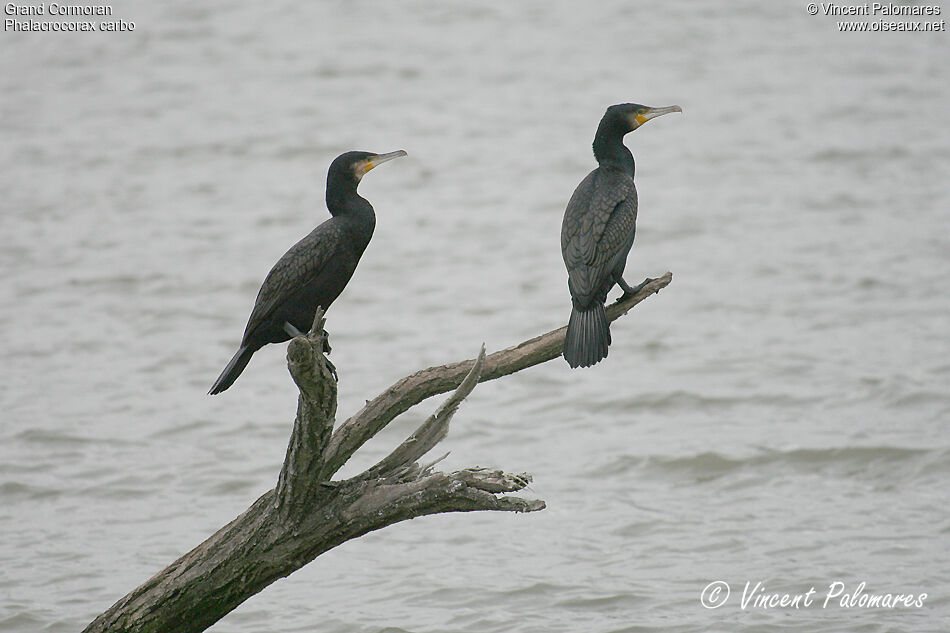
[(316, 269), (597, 232)]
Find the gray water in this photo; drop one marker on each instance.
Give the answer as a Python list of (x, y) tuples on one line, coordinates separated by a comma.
[(778, 414)]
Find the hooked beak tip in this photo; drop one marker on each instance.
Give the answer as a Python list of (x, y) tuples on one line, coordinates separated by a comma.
[(379, 159), (391, 155)]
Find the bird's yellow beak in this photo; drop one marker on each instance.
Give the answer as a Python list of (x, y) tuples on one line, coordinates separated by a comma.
[(379, 159), (652, 113)]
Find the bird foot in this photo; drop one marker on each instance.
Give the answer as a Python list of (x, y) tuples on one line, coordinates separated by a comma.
[(332, 369), (326, 350), (291, 330), (629, 292)]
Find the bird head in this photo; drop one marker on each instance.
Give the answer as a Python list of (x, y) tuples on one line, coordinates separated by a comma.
[(354, 165), (629, 116)]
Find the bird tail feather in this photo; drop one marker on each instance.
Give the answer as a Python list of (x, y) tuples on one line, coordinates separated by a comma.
[(588, 335), (237, 364)]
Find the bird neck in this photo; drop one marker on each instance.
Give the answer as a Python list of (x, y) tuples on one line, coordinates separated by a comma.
[(609, 149), (352, 210), (342, 198)]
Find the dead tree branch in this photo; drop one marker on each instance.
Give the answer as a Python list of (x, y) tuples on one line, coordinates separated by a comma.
[(412, 390), (308, 514)]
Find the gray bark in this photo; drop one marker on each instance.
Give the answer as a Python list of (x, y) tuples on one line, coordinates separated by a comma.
[(308, 513)]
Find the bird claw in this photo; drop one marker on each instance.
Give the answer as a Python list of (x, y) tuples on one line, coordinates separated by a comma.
[(327, 350), (629, 292), (332, 369)]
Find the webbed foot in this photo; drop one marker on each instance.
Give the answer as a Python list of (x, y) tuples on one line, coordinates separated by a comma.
[(332, 368), (627, 290)]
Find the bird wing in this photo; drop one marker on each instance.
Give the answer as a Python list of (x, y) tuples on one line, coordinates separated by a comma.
[(301, 263), (598, 222)]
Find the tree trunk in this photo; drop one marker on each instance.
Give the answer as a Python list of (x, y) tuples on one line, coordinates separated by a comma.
[(308, 513)]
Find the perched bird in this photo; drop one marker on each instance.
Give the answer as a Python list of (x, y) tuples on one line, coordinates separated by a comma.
[(316, 269), (597, 232)]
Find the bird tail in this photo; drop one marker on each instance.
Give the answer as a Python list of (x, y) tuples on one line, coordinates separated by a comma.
[(588, 335), (237, 364)]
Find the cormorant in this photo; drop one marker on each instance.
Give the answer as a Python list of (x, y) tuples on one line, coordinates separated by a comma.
[(598, 230), (316, 269)]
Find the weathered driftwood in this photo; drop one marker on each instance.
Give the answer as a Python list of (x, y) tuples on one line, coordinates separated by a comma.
[(308, 513)]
